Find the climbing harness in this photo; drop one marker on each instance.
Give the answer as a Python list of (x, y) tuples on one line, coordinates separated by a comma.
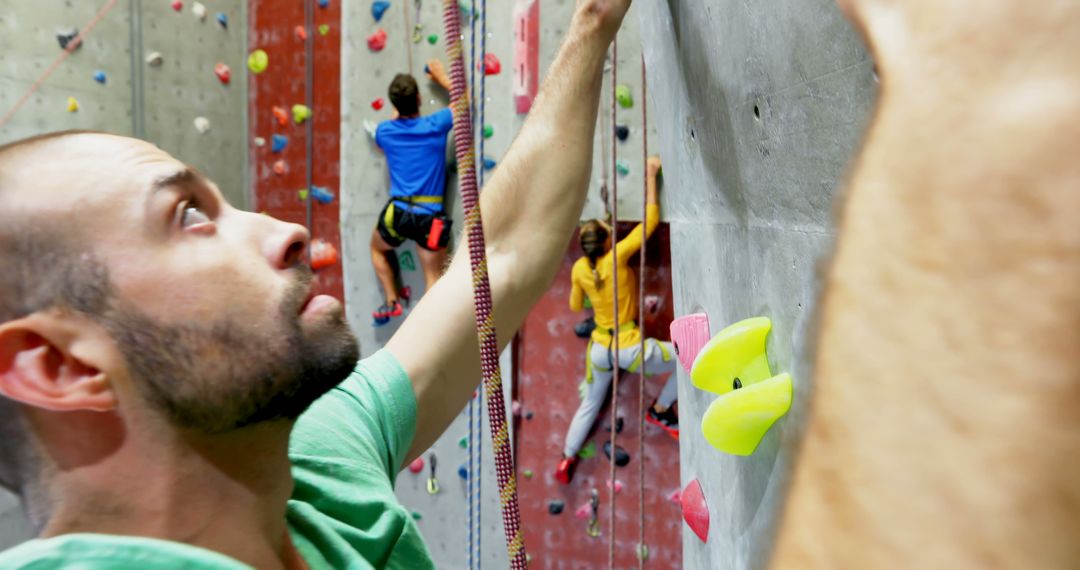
[(489, 349), (593, 529)]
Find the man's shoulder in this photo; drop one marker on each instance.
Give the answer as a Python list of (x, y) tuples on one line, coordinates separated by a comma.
[(113, 552)]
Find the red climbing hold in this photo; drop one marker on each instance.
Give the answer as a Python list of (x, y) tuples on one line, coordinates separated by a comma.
[(695, 511), (689, 334), (322, 254), (223, 73), (417, 465), (281, 115), (377, 40), (491, 64), (378, 104), (301, 33), (177, 5)]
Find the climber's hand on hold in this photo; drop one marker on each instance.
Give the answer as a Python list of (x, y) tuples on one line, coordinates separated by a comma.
[(652, 169), (652, 166), (437, 73)]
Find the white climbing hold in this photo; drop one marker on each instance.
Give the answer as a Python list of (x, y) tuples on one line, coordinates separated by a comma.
[(370, 128), (155, 58), (202, 124), (199, 10), (259, 141)]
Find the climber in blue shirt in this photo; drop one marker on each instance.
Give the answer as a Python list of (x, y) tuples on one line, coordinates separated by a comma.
[(415, 148)]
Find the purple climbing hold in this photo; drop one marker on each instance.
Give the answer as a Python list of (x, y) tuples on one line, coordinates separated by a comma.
[(556, 507), (378, 8), (278, 143), (322, 195)]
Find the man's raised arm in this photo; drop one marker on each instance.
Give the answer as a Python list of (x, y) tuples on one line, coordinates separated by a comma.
[(530, 208)]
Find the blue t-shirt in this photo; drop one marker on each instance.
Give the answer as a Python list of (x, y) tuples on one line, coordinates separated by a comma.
[(416, 154)]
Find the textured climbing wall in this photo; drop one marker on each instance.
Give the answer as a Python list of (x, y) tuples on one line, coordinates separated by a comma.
[(763, 105), (155, 103), (272, 27), (551, 363)]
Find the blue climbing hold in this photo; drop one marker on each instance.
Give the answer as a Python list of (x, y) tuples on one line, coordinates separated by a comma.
[(463, 472), (378, 8), (489, 163), (278, 143), (222, 19), (99, 76), (324, 3), (323, 195)]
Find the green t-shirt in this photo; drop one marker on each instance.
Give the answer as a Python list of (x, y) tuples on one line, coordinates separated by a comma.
[(343, 514)]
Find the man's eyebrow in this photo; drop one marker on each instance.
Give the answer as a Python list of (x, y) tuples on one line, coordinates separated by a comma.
[(180, 177)]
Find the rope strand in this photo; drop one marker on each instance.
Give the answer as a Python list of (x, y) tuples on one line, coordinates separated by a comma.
[(615, 285), (641, 316)]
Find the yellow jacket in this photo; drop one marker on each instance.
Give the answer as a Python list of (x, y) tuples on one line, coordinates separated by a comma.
[(602, 294)]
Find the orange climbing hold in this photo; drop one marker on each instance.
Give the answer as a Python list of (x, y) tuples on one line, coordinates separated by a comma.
[(300, 32), (281, 115), (322, 254), (279, 167)]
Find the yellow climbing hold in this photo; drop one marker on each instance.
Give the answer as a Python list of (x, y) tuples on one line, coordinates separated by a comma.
[(734, 365), (300, 113), (258, 61), (72, 105)]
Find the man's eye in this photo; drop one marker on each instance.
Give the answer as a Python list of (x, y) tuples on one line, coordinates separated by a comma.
[(193, 216)]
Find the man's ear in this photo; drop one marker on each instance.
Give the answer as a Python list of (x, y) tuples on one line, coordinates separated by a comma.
[(47, 361)]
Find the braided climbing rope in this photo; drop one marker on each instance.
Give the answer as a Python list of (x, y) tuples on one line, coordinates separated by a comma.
[(485, 322), (642, 552), (615, 301)]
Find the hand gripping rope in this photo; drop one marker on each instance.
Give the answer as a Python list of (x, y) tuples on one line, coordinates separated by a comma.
[(485, 322)]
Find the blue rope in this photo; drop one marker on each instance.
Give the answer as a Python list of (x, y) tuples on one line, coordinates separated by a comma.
[(475, 406), (480, 186)]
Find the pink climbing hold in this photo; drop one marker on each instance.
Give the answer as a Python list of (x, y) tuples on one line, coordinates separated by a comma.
[(378, 104), (584, 512), (177, 5), (515, 408), (417, 465), (618, 486), (689, 334), (224, 74), (377, 40), (695, 511), (675, 496), (491, 64)]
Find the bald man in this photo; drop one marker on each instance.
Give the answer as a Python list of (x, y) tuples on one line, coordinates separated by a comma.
[(174, 396)]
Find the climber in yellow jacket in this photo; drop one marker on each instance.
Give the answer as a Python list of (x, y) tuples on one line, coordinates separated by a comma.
[(593, 277)]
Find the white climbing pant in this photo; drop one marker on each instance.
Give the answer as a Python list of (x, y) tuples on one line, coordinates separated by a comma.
[(659, 359)]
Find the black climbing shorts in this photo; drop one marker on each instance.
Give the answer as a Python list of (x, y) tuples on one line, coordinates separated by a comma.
[(429, 231)]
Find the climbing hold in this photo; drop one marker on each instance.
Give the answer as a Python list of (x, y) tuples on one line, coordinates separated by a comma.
[(199, 10), (624, 97), (618, 486), (322, 195), (302, 194), (260, 142), (69, 37), (377, 104), (281, 115), (584, 511), (492, 65), (371, 128), (675, 496), (300, 113), (324, 3), (324, 29), (515, 408), (622, 167), (466, 7), (489, 163), (528, 473), (417, 465), (72, 104), (378, 8), (688, 335), (258, 61), (622, 458), (463, 443), (301, 33), (588, 451), (322, 255), (622, 132), (695, 510), (99, 76), (642, 551), (618, 426), (406, 261), (223, 73), (488, 131), (279, 167), (177, 5), (222, 19), (416, 516), (528, 415), (463, 472), (555, 507), (278, 143), (155, 59), (734, 365), (377, 40), (202, 124), (433, 39)]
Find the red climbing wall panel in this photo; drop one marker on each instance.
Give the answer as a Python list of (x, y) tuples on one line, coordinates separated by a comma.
[(551, 363), (271, 27)]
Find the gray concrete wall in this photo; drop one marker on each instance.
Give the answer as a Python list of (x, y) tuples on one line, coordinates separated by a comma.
[(158, 104), (763, 103)]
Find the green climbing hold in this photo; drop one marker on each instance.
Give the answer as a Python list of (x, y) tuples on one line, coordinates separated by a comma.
[(406, 261), (463, 442), (324, 29), (588, 451), (624, 97), (466, 7), (433, 39), (528, 473), (417, 516), (642, 551), (258, 61), (488, 131), (622, 167), (302, 193)]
